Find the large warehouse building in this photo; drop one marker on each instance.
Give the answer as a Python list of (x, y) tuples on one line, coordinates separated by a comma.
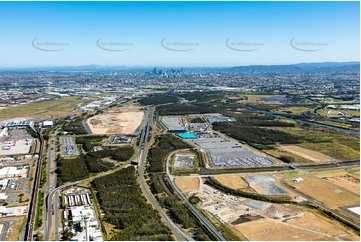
[(174, 124)]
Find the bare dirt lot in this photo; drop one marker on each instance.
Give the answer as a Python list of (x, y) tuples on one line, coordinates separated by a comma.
[(116, 122), (187, 184), (307, 154)]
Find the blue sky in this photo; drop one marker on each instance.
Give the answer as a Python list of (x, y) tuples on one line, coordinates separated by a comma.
[(257, 33)]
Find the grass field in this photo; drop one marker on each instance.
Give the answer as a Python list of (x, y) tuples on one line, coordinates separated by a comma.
[(235, 182), (338, 113), (338, 146), (330, 100), (324, 225), (340, 125), (254, 98), (279, 153), (329, 194), (187, 184), (293, 109), (270, 230), (307, 154), (49, 109), (342, 178)]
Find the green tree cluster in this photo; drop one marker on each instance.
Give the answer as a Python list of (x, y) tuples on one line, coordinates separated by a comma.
[(121, 199)]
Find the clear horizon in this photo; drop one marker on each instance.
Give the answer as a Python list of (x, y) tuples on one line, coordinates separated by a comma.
[(188, 34)]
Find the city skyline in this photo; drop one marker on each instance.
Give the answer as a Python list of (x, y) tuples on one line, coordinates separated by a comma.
[(177, 33)]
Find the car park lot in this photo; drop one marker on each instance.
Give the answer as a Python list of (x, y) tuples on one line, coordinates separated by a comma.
[(226, 152), (68, 146), (16, 143), (184, 161)]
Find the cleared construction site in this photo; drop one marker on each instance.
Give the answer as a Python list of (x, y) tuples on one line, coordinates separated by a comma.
[(259, 221), (125, 120)]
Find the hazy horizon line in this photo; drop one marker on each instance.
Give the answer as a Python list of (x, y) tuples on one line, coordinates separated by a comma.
[(174, 65)]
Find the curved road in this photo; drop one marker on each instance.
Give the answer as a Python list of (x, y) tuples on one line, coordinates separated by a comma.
[(180, 235), (198, 214), (5, 228), (49, 198)]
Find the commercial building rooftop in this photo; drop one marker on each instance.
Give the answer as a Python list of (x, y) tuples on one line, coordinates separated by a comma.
[(187, 136), (9, 171)]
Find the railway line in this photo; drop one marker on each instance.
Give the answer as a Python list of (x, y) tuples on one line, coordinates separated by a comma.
[(34, 196)]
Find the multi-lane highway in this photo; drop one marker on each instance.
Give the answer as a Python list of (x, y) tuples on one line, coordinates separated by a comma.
[(50, 175), (141, 151), (178, 233)]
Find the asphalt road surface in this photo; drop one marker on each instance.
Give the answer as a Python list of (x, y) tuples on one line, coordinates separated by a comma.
[(179, 234), (198, 214), (34, 197), (5, 227), (49, 198)]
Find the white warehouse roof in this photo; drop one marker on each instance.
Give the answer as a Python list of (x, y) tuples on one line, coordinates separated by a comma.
[(10, 171), (48, 123)]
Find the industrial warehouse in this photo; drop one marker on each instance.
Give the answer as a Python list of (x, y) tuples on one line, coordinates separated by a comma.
[(80, 217), (174, 124)]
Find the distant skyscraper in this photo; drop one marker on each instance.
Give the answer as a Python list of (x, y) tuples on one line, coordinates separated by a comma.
[(155, 71)]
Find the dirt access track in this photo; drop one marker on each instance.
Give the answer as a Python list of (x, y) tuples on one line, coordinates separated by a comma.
[(123, 121)]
